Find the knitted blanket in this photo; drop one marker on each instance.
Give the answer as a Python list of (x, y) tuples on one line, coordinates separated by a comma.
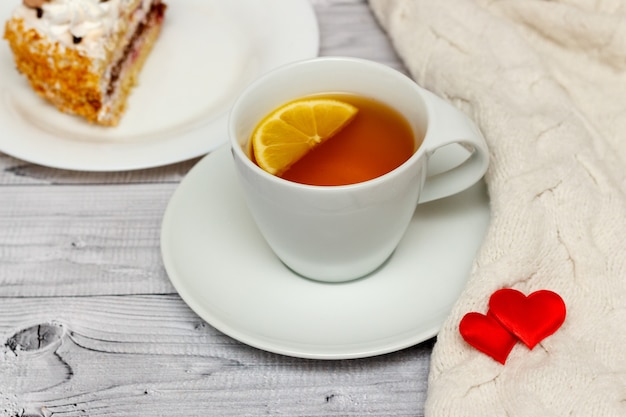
[(546, 83)]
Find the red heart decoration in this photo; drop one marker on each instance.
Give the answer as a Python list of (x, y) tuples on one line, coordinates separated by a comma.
[(531, 318), (486, 334)]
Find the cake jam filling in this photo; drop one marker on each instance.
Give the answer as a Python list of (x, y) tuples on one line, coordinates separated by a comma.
[(155, 15)]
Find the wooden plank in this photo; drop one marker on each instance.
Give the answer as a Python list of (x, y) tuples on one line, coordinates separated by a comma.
[(349, 28), (82, 240), (150, 355)]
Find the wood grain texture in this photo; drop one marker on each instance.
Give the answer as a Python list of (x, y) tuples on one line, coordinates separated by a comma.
[(151, 355), (82, 239), (91, 326)]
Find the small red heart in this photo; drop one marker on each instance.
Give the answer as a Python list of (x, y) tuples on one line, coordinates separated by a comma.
[(531, 318), (486, 334)]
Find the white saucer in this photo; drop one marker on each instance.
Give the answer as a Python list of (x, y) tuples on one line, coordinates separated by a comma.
[(208, 51), (223, 269)]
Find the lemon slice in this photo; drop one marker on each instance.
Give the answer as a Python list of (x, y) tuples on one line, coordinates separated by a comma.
[(291, 131)]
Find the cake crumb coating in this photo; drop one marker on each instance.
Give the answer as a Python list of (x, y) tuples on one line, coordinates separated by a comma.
[(60, 75)]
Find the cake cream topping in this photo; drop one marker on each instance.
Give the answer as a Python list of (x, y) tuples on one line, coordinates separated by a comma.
[(78, 24), (79, 17)]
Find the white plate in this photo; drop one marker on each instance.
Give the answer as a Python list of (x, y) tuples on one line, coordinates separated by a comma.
[(207, 52), (224, 270)]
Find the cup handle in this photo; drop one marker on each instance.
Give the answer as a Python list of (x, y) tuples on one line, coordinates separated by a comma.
[(448, 125)]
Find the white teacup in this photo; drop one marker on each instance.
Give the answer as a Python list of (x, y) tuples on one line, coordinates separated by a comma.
[(340, 233)]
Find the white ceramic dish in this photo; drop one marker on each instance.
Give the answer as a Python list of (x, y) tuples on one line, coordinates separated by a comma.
[(223, 269), (208, 51)]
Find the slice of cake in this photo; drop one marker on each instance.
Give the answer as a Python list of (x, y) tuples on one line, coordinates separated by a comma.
[(84, 56)]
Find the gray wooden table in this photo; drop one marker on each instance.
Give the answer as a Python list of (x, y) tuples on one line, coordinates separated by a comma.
[(91, 326)]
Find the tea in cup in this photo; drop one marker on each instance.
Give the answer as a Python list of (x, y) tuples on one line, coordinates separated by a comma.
[(338, 210), (287, 140)]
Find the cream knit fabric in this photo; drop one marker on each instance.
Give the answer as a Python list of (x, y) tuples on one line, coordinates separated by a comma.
[(546, 83)]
